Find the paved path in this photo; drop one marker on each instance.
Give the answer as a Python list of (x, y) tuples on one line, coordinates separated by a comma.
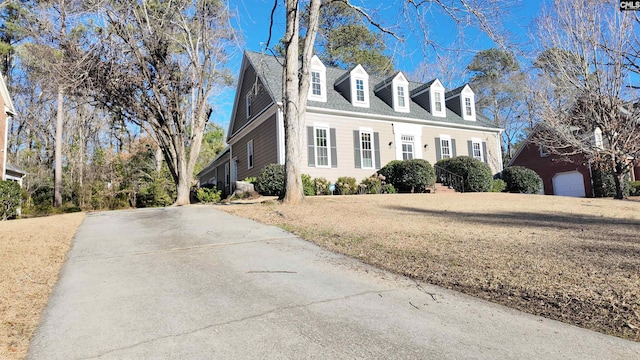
[(196, 283)]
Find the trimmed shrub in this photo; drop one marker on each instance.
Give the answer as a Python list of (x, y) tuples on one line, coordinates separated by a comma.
[(308, 186), (208, 195), (346, 186), (604, 185), (372, 185), (270, 182), (10, 198), (251, 180), (498, 185), (388, 189), (476, 174), (322, 186), (414, 175), (634, 188), (520, 179)]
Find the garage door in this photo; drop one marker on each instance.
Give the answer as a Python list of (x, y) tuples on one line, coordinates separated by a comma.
[(569, 184)]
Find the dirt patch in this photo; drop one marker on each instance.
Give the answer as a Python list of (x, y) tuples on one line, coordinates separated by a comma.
[(573, 260), (33, 251)]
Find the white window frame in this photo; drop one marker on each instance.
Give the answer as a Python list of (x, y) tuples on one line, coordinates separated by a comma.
[(436, 102), (408, 140), (318, 67), (317, 127), (359, 74), (597, 138), (372, 149), (315, 83), (357, 99), (402, 97), (543, 152), (248, 105), (444, 138), (250, 156), (468, 106), (478, 142), (227, 173), (400, 90)]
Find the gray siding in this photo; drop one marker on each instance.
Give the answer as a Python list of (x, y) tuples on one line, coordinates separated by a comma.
[(454, 104), (424, 101), (258, 103), (344, 88), (386, 95), (265, 148)]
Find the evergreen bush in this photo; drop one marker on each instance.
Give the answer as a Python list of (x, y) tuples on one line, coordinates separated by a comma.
[(308, 186), (10, 198), (414, 175), (476, 174), (520, 179), (208, 194), (270, 182), (346, 186)]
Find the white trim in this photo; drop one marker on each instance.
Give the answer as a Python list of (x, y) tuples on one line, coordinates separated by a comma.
[(318, 66), (365, 130), (398, 83), (437, 87), (250, 155), (479, 142), (366, 116), (358, 73), (227, 173), (448, 138), (280, 137), (465, 94), (320, 126), (247, 104), (3, 175), (400, 129)]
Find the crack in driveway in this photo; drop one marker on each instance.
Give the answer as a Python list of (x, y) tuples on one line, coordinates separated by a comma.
[(80, 260), (234, 321)]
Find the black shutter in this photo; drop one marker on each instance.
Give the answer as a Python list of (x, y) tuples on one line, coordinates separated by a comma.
[(311, 153), (470, 148), (334, 150), (438, 149), (484, 152), (376, 148), (356, 149), (453, 148)]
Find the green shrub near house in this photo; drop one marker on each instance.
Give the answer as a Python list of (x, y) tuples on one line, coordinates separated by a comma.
[(10, 199), (634, 188), (308, 186), (321, 186), (520, 179), (208, 195), (414, 175), (270, 182), (498, 185), (476, 174), (346, 185), (604, 185)]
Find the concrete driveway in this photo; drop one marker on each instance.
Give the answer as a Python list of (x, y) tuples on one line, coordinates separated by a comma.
[(196, 283)]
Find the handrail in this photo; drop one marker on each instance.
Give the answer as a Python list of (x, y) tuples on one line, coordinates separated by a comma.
[(447, 178)]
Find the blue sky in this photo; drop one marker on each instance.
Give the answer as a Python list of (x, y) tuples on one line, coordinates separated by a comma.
[(252, 19)]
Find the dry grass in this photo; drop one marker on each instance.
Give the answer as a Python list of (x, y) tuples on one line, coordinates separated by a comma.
[(573, 260), (33, 251)]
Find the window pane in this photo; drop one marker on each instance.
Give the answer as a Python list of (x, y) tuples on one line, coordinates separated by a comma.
[(467, 103), (438, 101), (360, 89), (315, 83), (477, 151), (407, 151), (322, 150), (401, 96), (367, 154), (445, 148)]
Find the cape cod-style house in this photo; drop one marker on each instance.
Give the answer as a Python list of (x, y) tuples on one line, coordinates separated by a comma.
[(355, 123), (7, 171)]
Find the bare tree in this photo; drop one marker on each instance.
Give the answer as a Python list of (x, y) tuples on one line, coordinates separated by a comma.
[(584, 100), (159, 65)]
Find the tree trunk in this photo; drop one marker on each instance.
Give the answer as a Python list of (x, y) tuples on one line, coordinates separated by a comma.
[(618, 179), (293, 193), (57, 199)]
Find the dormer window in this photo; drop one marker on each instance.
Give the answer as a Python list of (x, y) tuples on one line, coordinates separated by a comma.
[(467, 106), (400, 89), (401, 100), (316, 88), (318, 84), (248, 106), (437, 99), (360, 90)]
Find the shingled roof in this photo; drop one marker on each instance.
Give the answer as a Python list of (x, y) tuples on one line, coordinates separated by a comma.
[(269, 68)]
